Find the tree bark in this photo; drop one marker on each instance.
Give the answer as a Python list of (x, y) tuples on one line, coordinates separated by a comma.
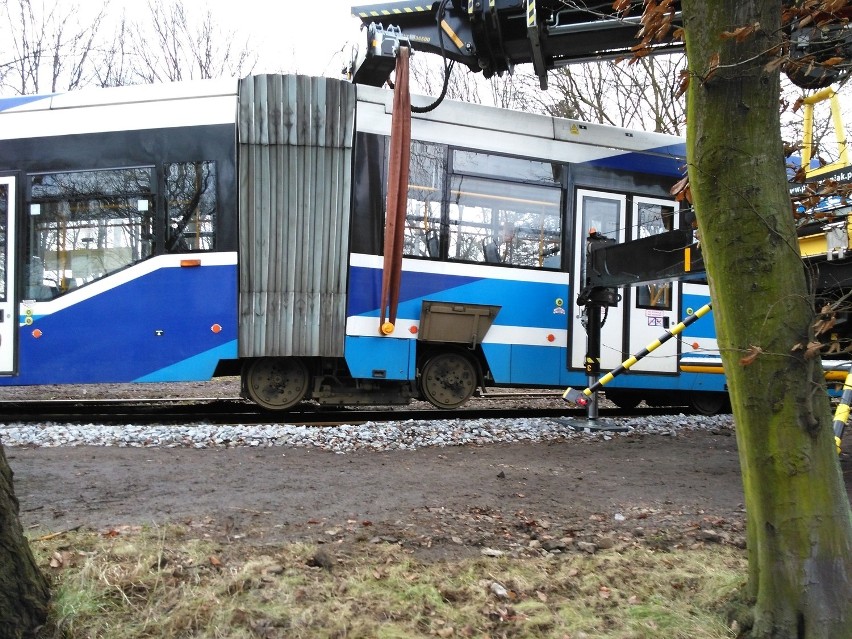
[(799, 524), (24, 591)]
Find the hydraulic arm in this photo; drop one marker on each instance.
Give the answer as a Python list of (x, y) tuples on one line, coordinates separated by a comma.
[(492, 36)]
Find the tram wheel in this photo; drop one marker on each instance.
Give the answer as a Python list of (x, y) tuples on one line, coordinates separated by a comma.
[(708, 403), (276, 383), (447, 380)]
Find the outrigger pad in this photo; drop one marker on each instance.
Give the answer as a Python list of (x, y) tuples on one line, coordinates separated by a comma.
[(593, 425), (575, 397)]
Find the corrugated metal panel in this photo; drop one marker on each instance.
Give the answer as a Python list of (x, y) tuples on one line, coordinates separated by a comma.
[(295, 168)]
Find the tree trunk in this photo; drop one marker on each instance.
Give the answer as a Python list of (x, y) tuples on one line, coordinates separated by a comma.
[(799, 524), (24, 590)]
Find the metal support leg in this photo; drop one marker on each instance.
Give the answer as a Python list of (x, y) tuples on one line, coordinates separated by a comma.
[(593, 357)]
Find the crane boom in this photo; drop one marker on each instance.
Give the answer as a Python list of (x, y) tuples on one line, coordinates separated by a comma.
[(492, 36)]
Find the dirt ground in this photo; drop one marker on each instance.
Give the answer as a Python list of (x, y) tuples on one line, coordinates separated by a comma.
[(442, 502)]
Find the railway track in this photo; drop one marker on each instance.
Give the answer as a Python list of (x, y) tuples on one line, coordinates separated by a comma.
[(233, 410)]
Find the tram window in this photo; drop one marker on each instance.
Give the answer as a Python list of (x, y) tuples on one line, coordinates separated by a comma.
[(656, 295), (191, 206), (84, 225), (368, 182), (423, 207), (601, 214), (519, 169), (501, 222), (4, 215), (654, 218)]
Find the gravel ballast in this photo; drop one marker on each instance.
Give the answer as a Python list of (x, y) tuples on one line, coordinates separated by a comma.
[(378, 436)]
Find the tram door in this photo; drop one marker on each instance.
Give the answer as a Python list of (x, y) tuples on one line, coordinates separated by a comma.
[(605, 213), (652, 308), (644, 312), (7, 275)]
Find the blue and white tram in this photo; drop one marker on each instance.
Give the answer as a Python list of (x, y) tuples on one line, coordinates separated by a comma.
[(180, 232)]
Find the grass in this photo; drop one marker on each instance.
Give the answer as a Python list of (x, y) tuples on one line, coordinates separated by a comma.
[(163, 583)]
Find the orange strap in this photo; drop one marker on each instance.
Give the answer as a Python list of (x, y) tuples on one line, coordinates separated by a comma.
[(399, 157)]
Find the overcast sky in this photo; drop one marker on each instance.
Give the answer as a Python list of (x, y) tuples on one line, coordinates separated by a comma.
[(290, 37), (313, 37)]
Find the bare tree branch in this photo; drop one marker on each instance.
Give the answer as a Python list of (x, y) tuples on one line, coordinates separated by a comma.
[(48, 50), (185, 49)]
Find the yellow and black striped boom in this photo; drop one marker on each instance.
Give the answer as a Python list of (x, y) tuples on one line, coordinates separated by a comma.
[(581, 398)]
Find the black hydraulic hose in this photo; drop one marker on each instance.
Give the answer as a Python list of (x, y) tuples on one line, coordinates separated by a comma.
[(448, 67)]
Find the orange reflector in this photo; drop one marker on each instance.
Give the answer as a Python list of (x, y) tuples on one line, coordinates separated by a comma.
[(696, 346), (386, 328), (190, 262), (216, 328), (413, 330), (37, 333), (551, 338)]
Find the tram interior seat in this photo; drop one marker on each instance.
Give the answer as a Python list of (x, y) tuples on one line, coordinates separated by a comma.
[(491, 251), (35, 288), (39, 292), (552, 258), (552, 261), (433, 244)]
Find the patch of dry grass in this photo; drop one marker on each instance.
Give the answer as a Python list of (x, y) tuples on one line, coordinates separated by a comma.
[(162, 583)]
